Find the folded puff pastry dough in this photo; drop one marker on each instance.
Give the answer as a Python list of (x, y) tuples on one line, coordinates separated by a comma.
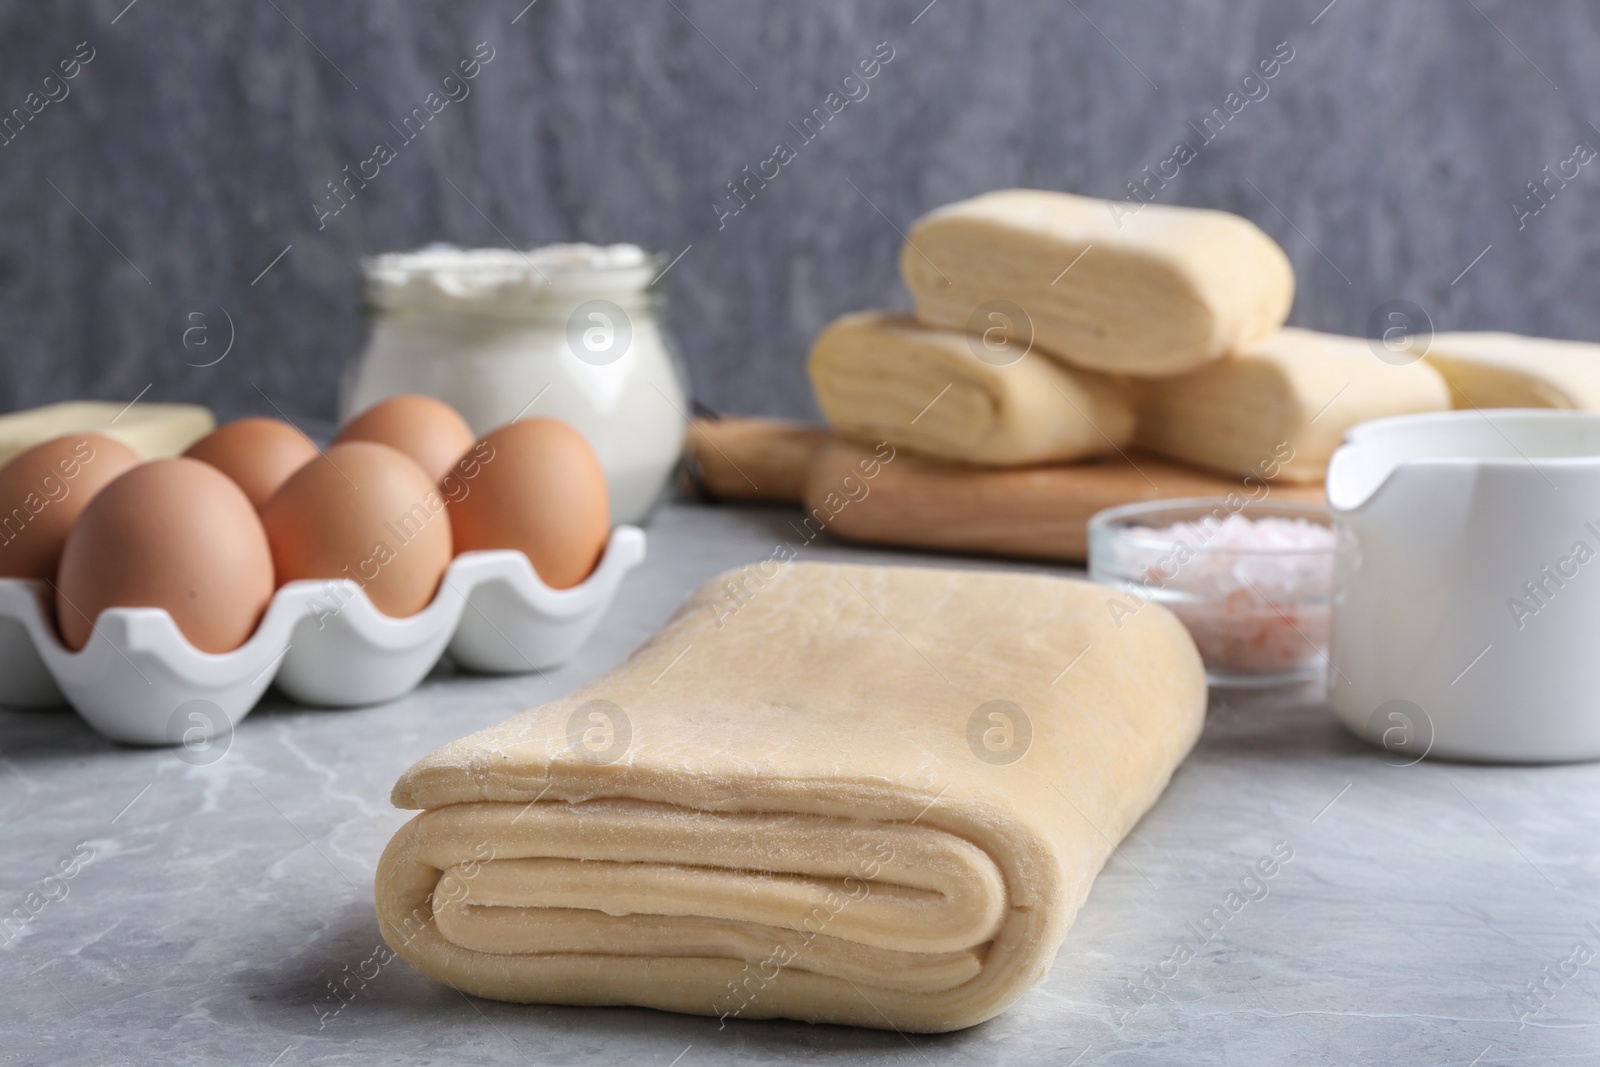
[(1503, 370), (1143, 290), (792, 818), (885, 377), (1281, 407)]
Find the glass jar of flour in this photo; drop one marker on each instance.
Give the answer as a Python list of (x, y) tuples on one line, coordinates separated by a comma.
[(571, 332)]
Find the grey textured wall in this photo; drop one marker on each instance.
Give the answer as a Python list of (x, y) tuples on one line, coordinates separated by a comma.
[(193, 147)]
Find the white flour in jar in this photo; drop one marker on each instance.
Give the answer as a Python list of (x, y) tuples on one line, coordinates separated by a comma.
[(567, 331)]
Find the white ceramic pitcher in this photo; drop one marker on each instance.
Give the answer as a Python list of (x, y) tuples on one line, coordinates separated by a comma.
[(1466, 617)]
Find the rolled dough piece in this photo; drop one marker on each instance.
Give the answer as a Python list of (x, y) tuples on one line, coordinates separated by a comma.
[(1503, 370), (1281, 407), (885, 377), (1149, 292), (865, 795)]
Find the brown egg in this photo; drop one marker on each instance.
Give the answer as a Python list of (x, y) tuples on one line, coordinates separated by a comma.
[(535, 486), (427, 430), (44, 490), (366, 512), (258, 454), (173, 534)]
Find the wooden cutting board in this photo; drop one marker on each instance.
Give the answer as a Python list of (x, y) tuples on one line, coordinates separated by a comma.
[(851, 492), (753, 459)]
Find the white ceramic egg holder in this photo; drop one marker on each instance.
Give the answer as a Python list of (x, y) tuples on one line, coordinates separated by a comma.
[(322, 642)]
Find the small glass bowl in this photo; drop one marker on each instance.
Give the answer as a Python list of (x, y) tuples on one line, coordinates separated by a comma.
[(1260, 616)]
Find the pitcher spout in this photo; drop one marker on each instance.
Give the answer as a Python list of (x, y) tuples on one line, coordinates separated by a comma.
[(1355, 475)]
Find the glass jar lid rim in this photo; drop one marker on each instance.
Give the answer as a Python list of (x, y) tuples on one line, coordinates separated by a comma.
[(447, 275), (570, 258)]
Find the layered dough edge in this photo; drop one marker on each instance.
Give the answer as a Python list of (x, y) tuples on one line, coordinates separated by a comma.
[(733, 914)]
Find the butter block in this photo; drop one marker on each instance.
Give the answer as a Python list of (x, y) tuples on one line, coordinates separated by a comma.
[(1504, 370), (885, 377), (155, 431), (1281, 407), (1150, 292)]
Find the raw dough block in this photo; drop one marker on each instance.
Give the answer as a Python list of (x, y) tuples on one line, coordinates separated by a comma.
[(885, 377), (843, 794), (1503, 370), (155, 431), (1151, 291), (1281, 407)]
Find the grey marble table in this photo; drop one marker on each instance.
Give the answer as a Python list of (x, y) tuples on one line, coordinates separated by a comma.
[(1427, 914)]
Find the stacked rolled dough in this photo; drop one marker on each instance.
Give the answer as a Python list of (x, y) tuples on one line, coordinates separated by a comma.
[(1050, 327), (1157, 292), (1502, 370), (1288, 398), (878, 376)]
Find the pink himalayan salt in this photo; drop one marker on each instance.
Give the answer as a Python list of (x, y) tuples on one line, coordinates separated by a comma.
[(1254, 593)]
